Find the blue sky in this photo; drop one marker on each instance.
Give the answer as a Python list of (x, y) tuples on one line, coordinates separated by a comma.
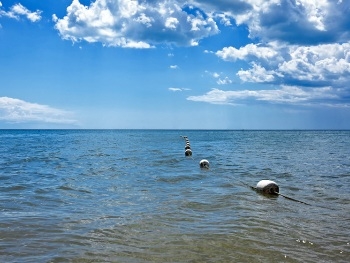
[(165, 64)]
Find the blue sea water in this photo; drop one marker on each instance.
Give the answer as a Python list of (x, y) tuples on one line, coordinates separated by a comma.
[(133, 196)]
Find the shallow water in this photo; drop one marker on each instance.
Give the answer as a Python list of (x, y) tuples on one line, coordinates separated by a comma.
[(133, 196)]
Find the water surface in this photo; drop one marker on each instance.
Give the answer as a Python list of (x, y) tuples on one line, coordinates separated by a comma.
[(133, 196)]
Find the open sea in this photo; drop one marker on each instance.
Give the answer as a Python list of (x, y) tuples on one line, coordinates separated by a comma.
[(133, 196)]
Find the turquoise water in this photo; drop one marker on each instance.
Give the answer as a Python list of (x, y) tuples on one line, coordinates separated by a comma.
[(133, 196)]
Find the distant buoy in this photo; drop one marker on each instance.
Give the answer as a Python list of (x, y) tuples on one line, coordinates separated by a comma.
[(188, 152), (267, 187), (204, 164)]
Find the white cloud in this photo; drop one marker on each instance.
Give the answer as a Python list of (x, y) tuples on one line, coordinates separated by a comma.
[(330, 62), (123, 23), (296, 22), (305, 43), (220, 80), (143, 19), (15, 110), (178, 89), (216, 75), (246, 52), (208, 52), (18, 10), (224, 81), (175, 89), (127, 8), (215, 96), (256, 74), (316, 12), (326, 63), (171, 22), (284, 95), (173, 66), (224, 19)]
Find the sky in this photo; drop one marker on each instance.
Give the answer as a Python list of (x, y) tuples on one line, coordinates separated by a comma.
[(166, 64)]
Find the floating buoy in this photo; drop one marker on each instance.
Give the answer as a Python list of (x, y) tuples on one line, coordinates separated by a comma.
[(188, 152), (267, 187), (271, 188), (187, 147), (204, 164)]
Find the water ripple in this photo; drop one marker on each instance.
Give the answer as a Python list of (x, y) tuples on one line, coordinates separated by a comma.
[(129, 196)]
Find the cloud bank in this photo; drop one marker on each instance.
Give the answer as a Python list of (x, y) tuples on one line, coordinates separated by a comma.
[(135, 24), (285, 95), (300, 48), (142, 24), (19, 111)]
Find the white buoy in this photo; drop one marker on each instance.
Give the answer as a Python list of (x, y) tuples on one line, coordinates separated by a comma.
[(188, 152), (267, 187), (187, 147), (204, 164)]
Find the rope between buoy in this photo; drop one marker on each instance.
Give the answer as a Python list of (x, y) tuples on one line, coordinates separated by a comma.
[(295, 200)]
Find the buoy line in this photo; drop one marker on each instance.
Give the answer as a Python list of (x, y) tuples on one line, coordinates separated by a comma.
[(266, 187), (188, 151), (204, 163)]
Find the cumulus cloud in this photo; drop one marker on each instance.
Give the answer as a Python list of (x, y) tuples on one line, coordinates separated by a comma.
[(285, 95), (296, 22), (18, 111), (328, 62), (302, 47), (18, 10), (303, 43), (256, 74), (136, 23), (144, 24), (250, 51), (173, 66), (324, 64)]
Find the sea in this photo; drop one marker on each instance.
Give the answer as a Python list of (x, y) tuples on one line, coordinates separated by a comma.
[(133, 196)]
